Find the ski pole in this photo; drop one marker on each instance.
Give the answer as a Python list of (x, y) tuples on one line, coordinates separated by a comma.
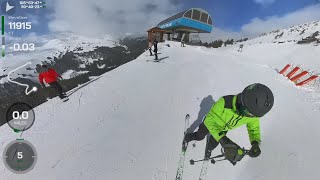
[(213, 161), (212, 158)]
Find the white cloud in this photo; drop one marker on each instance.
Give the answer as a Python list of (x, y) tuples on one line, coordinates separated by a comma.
[(264, 2), (59, 26), (258, 26), (35, 20), (97, 17)]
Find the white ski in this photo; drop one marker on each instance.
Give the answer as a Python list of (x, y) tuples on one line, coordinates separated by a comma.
[(183, 150)]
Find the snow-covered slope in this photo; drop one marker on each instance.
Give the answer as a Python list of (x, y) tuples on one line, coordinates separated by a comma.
[(129, 123), (292, 34), (285, 46)]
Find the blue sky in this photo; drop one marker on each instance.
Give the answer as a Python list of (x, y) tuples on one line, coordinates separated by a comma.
[(232, 18)]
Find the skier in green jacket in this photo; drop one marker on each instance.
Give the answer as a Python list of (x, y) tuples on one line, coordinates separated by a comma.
[(230, 112)]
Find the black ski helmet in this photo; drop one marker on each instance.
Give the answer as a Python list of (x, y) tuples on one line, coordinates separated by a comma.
[(257, 99)]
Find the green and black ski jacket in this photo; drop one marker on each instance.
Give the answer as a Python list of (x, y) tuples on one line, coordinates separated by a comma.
[(223, 117)]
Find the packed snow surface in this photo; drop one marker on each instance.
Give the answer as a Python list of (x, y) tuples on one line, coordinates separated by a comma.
[(129, 123)]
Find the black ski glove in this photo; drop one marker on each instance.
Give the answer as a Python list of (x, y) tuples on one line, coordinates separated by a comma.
[(255, 150), (232, 151)]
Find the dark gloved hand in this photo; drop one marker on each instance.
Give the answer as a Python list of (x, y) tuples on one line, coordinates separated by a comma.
[(226, 142), (255, 150), (232, 151)]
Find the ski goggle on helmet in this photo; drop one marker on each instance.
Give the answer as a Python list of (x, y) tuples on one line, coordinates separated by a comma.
[(256, 100)]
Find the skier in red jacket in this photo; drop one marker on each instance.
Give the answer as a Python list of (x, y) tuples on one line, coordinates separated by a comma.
[(50, 76)]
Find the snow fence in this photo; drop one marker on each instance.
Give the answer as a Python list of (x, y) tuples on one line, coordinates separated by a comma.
[(300, 76)]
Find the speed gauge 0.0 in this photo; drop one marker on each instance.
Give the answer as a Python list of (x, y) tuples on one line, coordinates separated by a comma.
[(20, 116)]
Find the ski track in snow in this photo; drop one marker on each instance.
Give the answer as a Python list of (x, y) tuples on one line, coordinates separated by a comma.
[(128, 124)]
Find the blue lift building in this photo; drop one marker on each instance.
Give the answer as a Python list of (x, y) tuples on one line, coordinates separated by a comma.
[(194, 20)]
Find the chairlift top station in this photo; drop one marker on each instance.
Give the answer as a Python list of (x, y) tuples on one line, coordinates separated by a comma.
[(194, 20)]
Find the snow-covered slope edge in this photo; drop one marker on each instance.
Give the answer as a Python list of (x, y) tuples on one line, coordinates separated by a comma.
[(292, 34)]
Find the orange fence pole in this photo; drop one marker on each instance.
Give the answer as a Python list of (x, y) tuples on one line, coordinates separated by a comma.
[(299, 76), (308, 80), (285, 69), (294, 70)]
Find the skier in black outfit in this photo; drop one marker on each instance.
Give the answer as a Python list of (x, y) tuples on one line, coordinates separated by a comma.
[(155, 46), (150, 47)]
